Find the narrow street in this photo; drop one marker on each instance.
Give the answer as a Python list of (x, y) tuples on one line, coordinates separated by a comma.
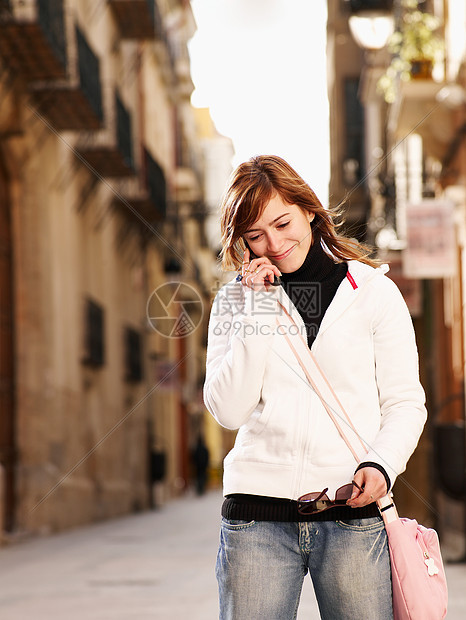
[(154, 565)]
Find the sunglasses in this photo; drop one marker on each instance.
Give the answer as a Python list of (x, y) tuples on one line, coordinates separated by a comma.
[(317, 502)]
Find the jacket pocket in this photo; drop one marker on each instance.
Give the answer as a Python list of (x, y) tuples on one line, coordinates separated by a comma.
[(273, 438)]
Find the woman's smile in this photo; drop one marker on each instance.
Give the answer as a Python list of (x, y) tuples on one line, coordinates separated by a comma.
[(280, 257)]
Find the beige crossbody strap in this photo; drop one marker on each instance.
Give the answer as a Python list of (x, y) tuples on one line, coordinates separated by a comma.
[(343, 410), (325, 404), (385, 504)]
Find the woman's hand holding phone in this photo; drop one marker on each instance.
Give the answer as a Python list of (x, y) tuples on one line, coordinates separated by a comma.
[(258, 273)]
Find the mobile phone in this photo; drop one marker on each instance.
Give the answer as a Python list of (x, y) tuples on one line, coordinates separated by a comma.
[(276, 279), (251, 253)]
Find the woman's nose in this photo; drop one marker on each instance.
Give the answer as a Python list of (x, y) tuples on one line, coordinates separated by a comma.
[(273, 243)]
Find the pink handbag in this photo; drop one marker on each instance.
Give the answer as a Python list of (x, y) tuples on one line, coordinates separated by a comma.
[(419, 585)]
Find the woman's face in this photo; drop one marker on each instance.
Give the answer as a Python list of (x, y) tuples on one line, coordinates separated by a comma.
[(282, 234)]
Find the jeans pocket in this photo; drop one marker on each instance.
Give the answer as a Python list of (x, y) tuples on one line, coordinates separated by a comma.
[(369, 524), (236, 524)]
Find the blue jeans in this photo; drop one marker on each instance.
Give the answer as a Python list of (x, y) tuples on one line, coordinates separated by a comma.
[(261, 566)]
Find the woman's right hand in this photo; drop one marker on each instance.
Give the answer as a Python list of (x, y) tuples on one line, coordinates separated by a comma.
[(258, 273)]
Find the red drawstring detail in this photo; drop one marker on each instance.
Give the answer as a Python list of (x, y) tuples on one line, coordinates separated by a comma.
[(351, 279)]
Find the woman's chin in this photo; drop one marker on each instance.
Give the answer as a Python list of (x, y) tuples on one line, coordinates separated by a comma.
[(291, 263)]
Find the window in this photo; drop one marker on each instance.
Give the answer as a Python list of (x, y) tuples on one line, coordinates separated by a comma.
[(52, 20), (124, 134), (133, 355), (94, 350), (89, 75), (354, 126)]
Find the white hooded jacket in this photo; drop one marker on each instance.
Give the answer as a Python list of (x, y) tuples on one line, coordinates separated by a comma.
[(286, 444)]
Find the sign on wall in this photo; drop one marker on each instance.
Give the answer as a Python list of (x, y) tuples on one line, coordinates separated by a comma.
[(411, 288), (430, 240)]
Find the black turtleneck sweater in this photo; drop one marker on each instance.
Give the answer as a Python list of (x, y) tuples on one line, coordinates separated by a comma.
[(311, 288)]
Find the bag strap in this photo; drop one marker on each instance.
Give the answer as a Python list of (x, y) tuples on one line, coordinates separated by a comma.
[(318, 392), (324, 402), (385, 504)]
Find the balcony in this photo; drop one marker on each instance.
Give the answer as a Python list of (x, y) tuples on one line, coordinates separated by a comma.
[(110, 151), (181, 65), (172, 46), (73, 104), (137, 19), (417, 110), (32, 38), (188, 175), (147, 199)]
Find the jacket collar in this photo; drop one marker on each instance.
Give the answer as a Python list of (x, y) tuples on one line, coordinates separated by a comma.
[(359, 274)]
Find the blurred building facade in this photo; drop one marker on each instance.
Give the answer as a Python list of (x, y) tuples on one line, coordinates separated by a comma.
[(102, 226), (347, 131), (217, 151), (412, 108)]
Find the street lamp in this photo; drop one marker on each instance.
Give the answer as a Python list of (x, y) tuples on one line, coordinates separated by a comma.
[(371, 32), (371, 22)]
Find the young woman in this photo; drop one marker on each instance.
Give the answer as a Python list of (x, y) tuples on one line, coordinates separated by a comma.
[(284, 244)]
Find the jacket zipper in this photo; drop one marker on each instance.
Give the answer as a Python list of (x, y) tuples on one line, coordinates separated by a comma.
[(305, 420)]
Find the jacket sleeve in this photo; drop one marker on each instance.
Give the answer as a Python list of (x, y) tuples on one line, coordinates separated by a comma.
[(401, 396), (241, 328)]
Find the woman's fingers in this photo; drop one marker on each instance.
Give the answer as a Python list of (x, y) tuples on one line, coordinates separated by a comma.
[(261, 276), (374, 486), (245, 264), (245, 268), (258, 272)]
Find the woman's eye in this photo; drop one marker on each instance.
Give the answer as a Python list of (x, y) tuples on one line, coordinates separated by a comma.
[(278, 226)]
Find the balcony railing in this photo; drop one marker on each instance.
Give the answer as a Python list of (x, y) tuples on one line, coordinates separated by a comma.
[(32, 38), (110, 151), (74, 103), (417, 106), (147, 196), (136, 19)]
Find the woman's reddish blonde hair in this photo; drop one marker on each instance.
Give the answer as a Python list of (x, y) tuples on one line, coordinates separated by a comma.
[(252, 185)]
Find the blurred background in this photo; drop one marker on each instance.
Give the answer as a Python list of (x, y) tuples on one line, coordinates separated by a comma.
[(112, 166)]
